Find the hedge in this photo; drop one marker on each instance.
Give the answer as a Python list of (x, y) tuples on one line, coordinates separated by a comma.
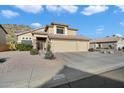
[(23, 47)]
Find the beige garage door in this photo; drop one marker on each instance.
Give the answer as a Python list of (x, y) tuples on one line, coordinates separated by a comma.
[(68, 45)]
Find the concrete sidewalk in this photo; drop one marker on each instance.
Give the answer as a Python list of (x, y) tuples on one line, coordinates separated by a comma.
[(24, 70)]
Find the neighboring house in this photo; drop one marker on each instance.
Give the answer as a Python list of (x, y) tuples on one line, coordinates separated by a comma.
[(108, 42), (61, 37), (3, 33)]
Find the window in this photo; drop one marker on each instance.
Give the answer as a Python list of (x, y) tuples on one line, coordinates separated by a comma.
[(30, 38), (26, 37), (23, 38), (60, 31)]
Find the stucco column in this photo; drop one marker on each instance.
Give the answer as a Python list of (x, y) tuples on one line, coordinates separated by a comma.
[(55, 29), (66, 30), (34, 44)]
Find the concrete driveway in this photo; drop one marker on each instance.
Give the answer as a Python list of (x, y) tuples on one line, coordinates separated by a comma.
[(24, 70)]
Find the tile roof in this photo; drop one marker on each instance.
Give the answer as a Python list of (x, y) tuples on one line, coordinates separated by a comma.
[(55, 23), (61, 24), (40, 33), (68, 37), (29, 31), (105, 40)]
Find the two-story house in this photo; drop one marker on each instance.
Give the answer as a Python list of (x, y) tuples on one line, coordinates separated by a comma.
[(3, 33), (61, 37)]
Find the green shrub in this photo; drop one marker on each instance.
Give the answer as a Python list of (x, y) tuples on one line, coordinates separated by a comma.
[(23, 47), (49, 54), (34, 52), (91, 50)]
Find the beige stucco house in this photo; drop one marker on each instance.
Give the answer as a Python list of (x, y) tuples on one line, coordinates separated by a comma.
[(3, 33), (61, 37), (108, 42)]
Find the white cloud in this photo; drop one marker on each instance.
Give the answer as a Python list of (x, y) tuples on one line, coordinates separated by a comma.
[(119, 35), (122, 23), (30, 8), (100, 30), (70, 8), (93, 9), (62, 8), (121, 7), (9, 13), (36, 24)]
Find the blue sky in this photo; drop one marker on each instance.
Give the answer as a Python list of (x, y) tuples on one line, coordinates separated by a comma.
[(92, 21)]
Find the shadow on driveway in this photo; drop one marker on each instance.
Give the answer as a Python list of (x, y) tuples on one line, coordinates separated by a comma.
[(2, 60), (66, 78)]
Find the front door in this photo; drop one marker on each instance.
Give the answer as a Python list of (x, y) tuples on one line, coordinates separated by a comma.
[(39, 45)]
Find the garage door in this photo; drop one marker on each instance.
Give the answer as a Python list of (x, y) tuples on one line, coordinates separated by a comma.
[(69, 45)]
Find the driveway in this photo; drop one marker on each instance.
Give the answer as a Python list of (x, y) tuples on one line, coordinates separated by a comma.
[(24, 70)]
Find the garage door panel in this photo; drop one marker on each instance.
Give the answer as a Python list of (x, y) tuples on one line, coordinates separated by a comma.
[(68, 45)]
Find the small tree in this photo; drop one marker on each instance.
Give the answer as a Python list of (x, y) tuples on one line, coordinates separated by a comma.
[(11, 40), (49, 54)]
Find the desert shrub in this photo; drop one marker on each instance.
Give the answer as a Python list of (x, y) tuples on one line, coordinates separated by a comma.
[(12, 46), (119, 49), (34, 52), (106, 48), (91, 50), (110, 47), (97, 47), (23, 47), (49, 54)]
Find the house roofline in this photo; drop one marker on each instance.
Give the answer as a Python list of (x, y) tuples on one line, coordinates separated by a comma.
[(3, 29), (30, 31), (55, 23)]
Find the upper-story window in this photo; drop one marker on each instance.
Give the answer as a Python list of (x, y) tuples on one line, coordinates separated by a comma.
[(60, 31)]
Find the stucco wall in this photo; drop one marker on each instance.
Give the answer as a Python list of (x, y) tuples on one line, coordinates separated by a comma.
[(2, 36), (92, 45), (120, 43), (66, 30), (51, 30), (69, 45), (71, 32), (20, 37)]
